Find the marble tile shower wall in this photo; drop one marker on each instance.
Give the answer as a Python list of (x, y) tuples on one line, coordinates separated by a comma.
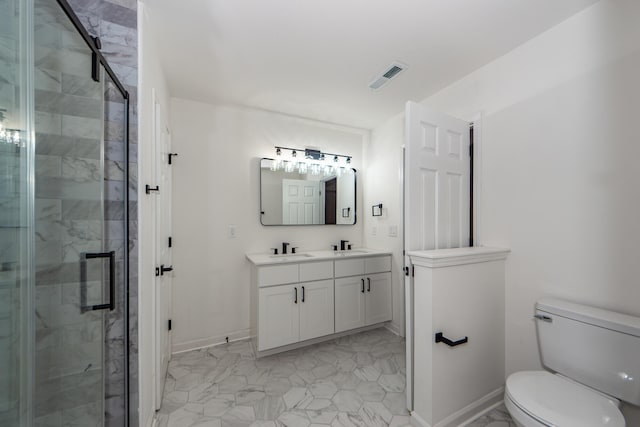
[(71, 110), (115, 22)]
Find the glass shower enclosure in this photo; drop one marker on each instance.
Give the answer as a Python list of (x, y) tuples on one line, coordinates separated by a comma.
[(63, 223)]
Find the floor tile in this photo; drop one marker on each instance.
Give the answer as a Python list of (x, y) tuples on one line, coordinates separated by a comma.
[(356, 380)]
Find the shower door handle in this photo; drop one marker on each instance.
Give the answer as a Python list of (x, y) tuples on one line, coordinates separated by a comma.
[(83, 281)]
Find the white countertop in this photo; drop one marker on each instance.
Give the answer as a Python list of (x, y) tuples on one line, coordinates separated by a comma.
[(310, 256)]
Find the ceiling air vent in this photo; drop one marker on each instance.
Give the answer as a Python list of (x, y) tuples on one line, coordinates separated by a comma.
[(392, 71)]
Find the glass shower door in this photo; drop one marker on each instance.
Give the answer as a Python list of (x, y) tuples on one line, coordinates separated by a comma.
[(16, 338), (75, 270)]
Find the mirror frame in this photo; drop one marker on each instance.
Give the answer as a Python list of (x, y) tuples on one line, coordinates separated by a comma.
[(355, 202)]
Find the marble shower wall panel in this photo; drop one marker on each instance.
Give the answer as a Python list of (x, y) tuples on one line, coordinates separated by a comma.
[(115, 22)]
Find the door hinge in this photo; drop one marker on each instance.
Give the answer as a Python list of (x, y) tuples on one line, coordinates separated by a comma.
[(170, 241), (169, 324), (413, 271)]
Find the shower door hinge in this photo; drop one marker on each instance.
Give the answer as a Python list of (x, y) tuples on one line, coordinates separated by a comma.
[(169, 324)]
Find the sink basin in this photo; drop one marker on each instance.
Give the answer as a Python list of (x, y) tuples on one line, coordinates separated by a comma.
[(290, 256)]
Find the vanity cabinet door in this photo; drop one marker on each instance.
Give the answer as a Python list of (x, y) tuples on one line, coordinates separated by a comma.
[(316, 309), (378, 298), (349, 303), (279, 316)]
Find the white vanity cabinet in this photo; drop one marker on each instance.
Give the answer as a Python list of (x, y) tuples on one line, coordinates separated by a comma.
[(308, 299), (289, 313), (363, 297)]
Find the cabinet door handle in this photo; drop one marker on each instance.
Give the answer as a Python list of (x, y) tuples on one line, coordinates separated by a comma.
[(303, 294), (295, 300), (368, 284), (362, 285)]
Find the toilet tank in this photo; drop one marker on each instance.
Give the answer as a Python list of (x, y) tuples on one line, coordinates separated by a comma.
[(595, 347)]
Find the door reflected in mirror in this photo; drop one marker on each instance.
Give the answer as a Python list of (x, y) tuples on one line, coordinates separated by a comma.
[(319, 196)]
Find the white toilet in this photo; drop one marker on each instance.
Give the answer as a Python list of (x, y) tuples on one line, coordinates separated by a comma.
[(595, 357)]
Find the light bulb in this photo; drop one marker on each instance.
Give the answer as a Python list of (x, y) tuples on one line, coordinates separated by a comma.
[(289, 166)]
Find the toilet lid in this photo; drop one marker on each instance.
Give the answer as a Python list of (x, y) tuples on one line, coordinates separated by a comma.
[(556, 401)]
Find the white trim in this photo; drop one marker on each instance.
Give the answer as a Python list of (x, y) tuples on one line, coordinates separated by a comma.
[(469, 413), (418, 421), (393, 328), (457, 256), (473, 410), (240, 335), (482, 413), (319, 340), (478, 146)]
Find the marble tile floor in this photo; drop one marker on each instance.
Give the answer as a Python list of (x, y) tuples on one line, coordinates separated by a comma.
[(499, 417), (358, 380)]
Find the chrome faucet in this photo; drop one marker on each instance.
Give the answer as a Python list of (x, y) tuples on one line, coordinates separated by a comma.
[(284, 247)]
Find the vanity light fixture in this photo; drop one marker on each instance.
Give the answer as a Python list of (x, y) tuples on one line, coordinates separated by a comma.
[(315, 162)]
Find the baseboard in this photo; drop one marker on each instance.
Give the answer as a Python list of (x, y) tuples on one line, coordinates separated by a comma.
[(301, 344), (466, 415), (393, 328), (482, 413), (211, 341), (418, 421)]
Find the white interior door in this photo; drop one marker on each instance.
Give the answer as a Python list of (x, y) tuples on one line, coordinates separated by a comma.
[(437, 194), (163, 282), (300, 202)]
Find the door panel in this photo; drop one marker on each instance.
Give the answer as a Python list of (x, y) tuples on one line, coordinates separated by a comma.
[(438, 180), (316, 309), (437, 186), (300, 202), (162, 211), (349, 303), (378, 298), (279, 317)]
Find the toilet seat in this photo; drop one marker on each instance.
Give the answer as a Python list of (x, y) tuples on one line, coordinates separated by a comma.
[(551, 400)]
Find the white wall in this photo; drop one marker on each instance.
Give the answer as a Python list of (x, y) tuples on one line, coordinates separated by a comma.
[(559, 166), (384, 184), (151, 77), (216, 184)]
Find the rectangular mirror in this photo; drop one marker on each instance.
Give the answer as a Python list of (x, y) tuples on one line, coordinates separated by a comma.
[(317, 197)]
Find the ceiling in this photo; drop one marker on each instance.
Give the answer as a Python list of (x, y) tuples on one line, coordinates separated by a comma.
[(315, 58)]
